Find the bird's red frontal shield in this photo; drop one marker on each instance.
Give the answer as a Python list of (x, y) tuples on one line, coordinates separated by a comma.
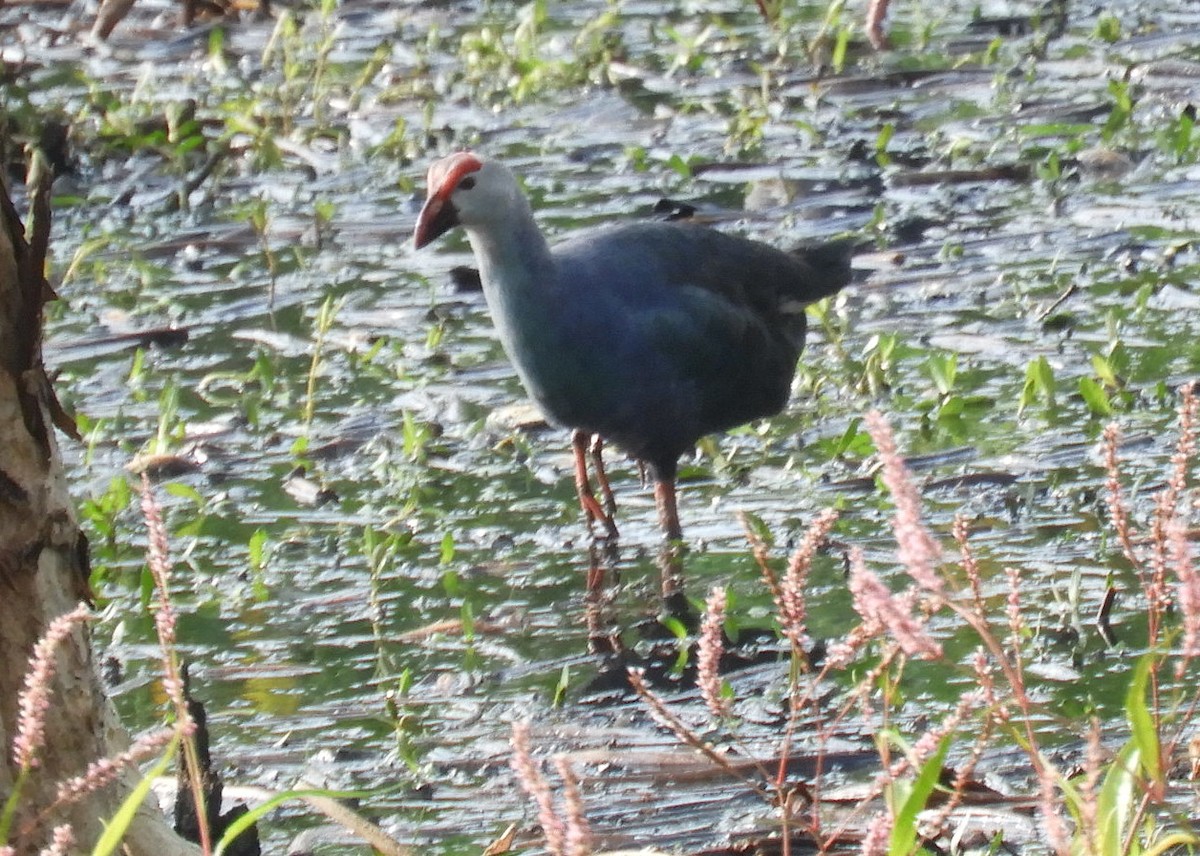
[(438, 215)]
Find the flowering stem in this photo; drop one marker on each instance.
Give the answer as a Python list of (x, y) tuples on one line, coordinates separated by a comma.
[(10, 805), (159, 562), (686, 735)]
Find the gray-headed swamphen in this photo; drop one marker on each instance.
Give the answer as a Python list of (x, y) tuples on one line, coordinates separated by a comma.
[(649, 335)]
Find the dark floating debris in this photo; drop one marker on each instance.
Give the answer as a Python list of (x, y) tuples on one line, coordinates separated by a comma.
[(87, 349), (187, 823), (465, 279)]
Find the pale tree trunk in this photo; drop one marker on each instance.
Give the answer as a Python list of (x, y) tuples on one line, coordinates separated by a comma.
[(44, 569)]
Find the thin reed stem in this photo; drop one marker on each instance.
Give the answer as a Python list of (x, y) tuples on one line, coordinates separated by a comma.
[(158, 559)]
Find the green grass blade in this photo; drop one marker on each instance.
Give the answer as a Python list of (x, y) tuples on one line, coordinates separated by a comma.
[(10, 806), (115, 831), (1116, 803), (1173, 842), (325, 801), (904, 830), (1141, 723)]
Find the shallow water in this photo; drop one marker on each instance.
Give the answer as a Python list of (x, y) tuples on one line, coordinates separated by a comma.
[(984, 251)]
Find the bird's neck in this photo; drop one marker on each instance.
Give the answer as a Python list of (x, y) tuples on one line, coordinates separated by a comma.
[(527, 301), (517, 270)]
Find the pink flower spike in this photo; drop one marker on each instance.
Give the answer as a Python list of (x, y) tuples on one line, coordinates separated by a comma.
[(1051, 810), (881, 610), (535, 786), (158, 560), (791, 598), (841, 654), (577, 839), (62, 842), (1117, 512), (1189, 585), (709, 650), (879, 833), (34, 700), (985, 678), (1016, 622), (100, 773), (917, 550)]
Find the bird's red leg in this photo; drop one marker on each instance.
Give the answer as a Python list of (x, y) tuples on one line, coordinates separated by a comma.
[(675, 602), (596, 452), (583, 486), (668, 512), (875, 14)]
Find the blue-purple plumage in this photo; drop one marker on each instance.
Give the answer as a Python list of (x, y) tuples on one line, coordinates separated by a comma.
[(650, 335)]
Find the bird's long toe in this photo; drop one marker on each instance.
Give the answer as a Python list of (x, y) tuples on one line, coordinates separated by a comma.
[(596, 454), (593, 512)]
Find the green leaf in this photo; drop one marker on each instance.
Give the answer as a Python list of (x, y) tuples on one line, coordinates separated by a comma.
[(943, 369), (560, 689), (838, 57), (1143, 733), (884, 137), (1117, 801), (1172, 841), (904, 829), (1104, 369), (185, 491), (1108, 28), (1039, 384), (467, 616), (1122, 109), (682, 167), (415, 436), (951, 408), (10, 805), (146, 587), (1181, 137), (324, 210), (257, 548), (677, 628), (1095, 397), (853, 440), (758, 528), (315, 797), (115, 831), (447, 549)]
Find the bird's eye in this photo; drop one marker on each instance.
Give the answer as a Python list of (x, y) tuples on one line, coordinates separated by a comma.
[(467, 183)]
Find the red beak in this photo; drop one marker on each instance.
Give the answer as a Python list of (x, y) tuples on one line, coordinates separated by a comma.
[(437, 217)]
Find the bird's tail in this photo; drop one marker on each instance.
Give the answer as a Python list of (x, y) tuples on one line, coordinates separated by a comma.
[(830, 265)]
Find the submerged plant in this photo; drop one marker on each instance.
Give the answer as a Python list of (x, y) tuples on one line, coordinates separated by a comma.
[(1039, 385), (517, 59), (322, 324)]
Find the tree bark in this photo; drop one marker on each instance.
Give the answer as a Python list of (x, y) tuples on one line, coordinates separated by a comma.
[(44, 568)]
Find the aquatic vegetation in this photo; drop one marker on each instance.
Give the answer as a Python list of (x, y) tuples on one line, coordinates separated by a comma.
[(1120, 801), (1028, 276)]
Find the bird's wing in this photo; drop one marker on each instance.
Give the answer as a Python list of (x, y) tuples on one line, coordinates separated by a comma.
[(700, 330), (712, 321), (719, 357), (646, 263)]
